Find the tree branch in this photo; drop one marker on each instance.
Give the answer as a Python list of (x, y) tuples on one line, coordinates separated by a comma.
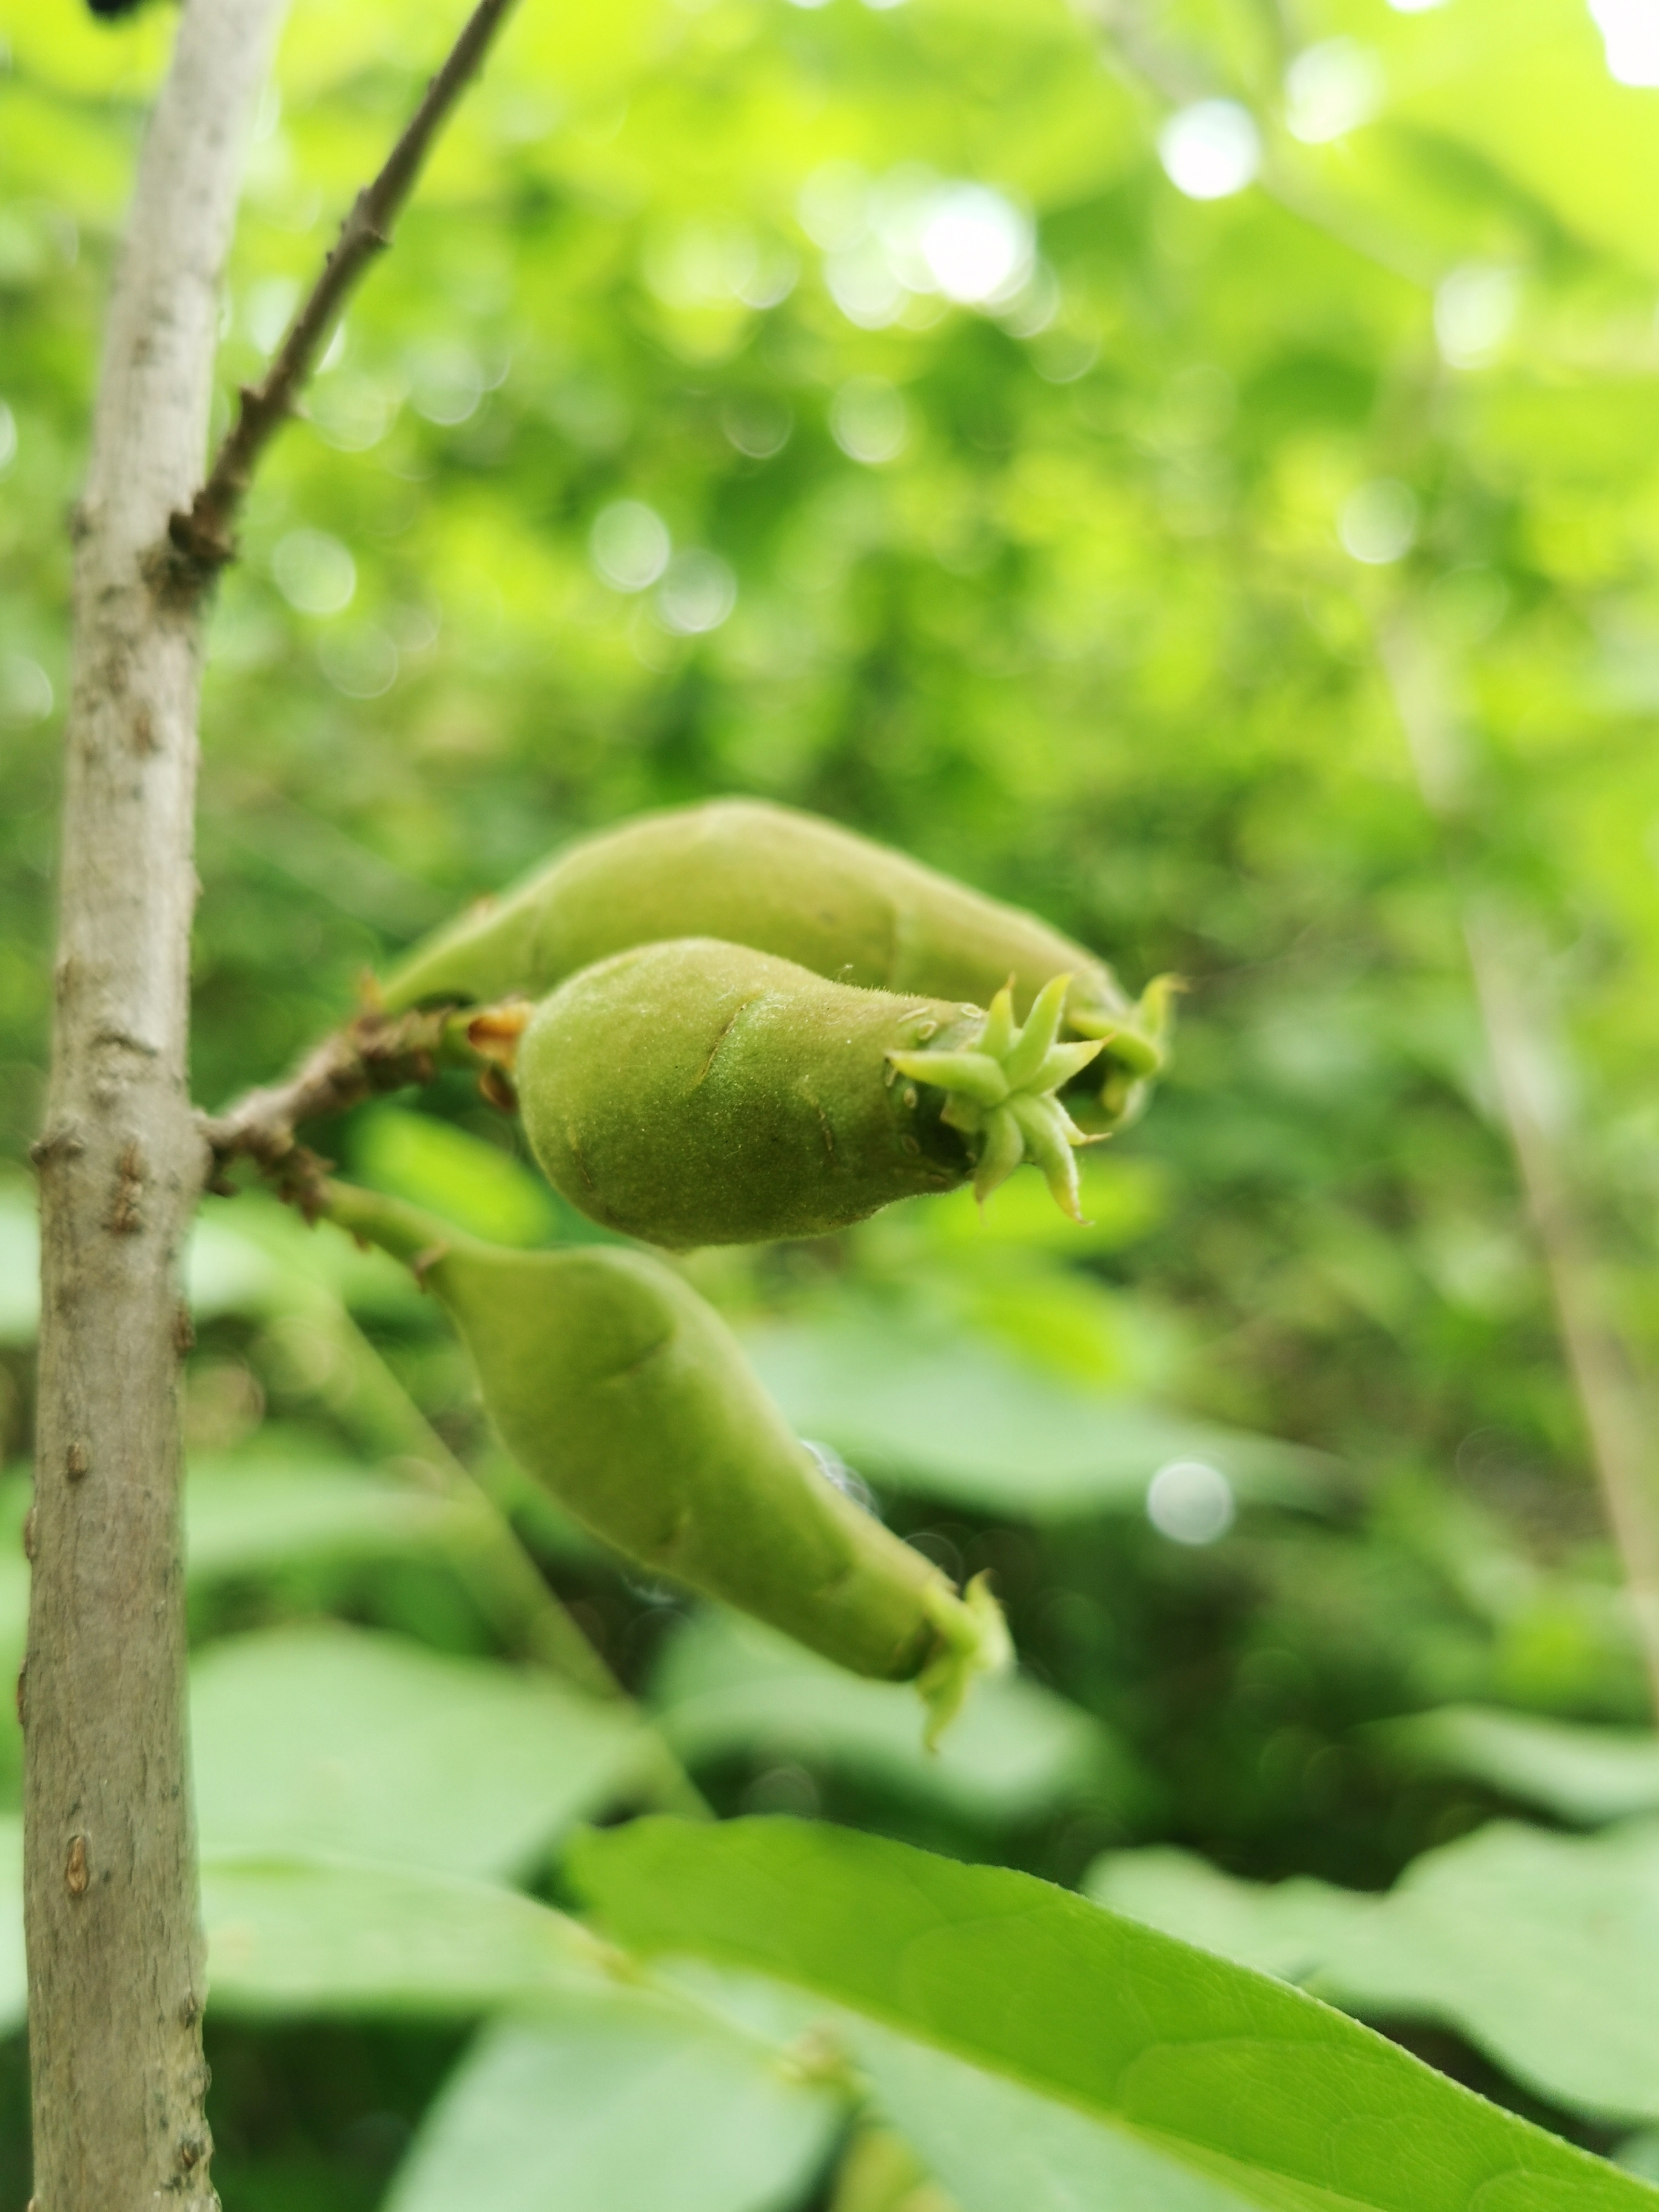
[(374, 1054), (204, 533), (114, 1942)]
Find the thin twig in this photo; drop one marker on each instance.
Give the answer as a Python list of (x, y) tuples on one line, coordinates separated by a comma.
[(1178, 77), (204, 534), (1612, 1396), (372, 1054)]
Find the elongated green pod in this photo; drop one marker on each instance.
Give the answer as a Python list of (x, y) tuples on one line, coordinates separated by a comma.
[(700, 1093), (610, 1381), (786, 882)]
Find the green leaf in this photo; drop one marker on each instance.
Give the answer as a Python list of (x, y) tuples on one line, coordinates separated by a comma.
[(347, 1741), (994, 2143), (255, 1257), (959, 1419), (20, 1263), (252, 1512), (1282, 1928), (1584, 1775), (1016, 1752), (1221, 2074), (632, 2105), (243, 1514), (475, 1185), (1541, 1949), (13, 1977), (298, 1937), (1121, 1199)]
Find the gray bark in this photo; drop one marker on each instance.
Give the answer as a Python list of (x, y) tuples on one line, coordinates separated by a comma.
[(114, 1944)]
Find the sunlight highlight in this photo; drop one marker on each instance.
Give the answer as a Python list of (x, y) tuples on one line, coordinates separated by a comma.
[(1211, 150)]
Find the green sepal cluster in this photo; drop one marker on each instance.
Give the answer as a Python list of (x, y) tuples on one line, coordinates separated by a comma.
[(702, 1093), (612, 1383), (747, 873), (1002, 1085)]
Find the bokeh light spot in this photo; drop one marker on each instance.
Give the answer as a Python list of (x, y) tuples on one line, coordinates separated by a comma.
[(1211, 149), (1378, 522), (313, 572), (1190, 1502), (868, 420), (629, 544)]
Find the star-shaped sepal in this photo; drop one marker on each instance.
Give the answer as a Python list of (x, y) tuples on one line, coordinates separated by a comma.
[(1137, 1048), (1002, 1084)]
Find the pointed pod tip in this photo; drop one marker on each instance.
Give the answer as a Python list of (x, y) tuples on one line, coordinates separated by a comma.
[(973, 1639)]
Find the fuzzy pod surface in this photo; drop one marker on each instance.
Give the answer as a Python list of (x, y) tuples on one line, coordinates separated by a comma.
[(616, 1385), (698, 1092), (784, 882)]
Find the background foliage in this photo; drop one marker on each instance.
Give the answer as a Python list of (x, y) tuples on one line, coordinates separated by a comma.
[(882, 408)]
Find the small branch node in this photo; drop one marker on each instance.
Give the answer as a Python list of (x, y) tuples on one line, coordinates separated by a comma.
[(126, 1216), (61, 1143), (373, 1054), (75, 1875)]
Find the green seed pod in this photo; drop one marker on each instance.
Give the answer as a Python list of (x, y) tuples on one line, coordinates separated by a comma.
[(700, 1093), (786, 882), (613, 1382)]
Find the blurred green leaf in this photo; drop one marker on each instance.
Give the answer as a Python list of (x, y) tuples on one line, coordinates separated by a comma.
[(252, 1255), (993, 2141), (1288, 1928), (1219, 2075), (1542, 1950), (1584, 1775), (475, 1185), (331, 1739), (629, 2106), (247, 1512), (956, 1419), (879, 2172), (1121, 1199), (296, 1937), (254, 1258), (13, 1976), (725, 1686), (20, 1263)]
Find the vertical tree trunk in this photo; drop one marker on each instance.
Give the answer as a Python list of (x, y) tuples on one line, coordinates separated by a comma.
[(114, 1943)]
